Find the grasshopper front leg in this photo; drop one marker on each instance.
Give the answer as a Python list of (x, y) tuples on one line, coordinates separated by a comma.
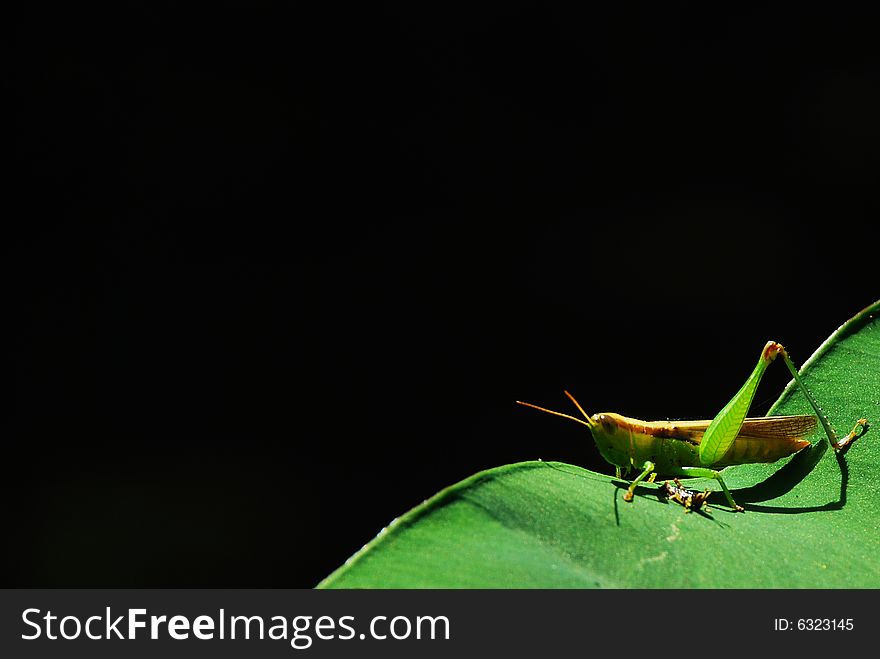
[(647, 469)]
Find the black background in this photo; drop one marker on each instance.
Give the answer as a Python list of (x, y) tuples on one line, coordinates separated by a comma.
[(274, 275)]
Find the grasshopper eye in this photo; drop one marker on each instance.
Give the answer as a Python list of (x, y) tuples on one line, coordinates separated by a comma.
[(607, 423)]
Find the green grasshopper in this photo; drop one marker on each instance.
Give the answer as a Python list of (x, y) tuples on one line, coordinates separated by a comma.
[(699, 448)]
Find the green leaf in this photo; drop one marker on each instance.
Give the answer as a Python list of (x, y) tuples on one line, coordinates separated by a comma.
[(811, 521)]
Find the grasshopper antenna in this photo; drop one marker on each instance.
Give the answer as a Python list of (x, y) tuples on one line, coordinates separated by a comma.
[(578, 405), (588, 423)]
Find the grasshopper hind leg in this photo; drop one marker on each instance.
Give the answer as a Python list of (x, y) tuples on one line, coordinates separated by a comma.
[(855, 433)]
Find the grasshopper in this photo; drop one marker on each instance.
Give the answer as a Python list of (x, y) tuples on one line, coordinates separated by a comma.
[(677, 492), (699, 448)]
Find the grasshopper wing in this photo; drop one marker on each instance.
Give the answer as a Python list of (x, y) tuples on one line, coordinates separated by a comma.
[(769, 438), (779, 427), (761, 439)]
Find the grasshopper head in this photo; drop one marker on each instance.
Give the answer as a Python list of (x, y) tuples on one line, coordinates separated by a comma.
[(610, 432)]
